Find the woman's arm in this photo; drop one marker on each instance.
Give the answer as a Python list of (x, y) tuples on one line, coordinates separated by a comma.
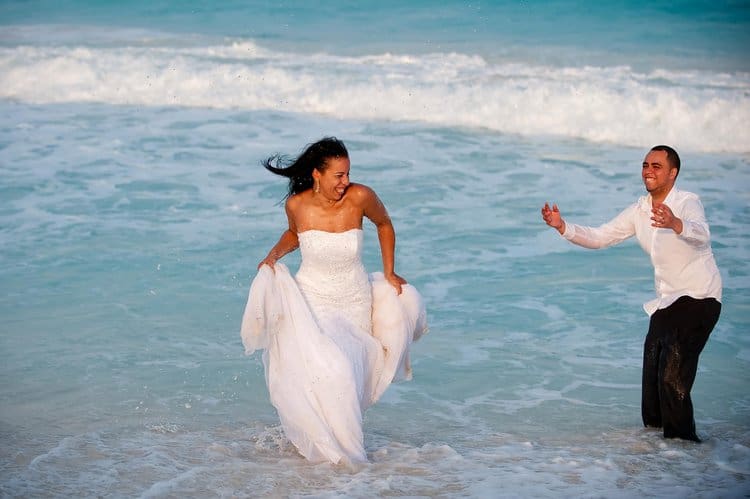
[(287, 243), (376, 212)]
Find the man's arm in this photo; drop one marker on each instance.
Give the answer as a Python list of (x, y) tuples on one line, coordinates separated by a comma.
[(613, 232), (694, 225)]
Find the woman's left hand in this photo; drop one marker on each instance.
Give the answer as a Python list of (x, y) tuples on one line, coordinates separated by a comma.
[(396, 281)]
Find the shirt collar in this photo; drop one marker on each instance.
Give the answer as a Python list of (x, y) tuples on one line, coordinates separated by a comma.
[(645, 201), (671, 195)]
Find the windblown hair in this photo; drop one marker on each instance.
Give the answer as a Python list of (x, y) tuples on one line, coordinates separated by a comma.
[(672, 156), (299, 171)]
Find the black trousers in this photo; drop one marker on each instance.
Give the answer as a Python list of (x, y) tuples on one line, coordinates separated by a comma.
[(676, 336)]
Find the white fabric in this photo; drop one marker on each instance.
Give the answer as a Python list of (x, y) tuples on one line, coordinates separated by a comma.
[(683, 263), (333, 339)]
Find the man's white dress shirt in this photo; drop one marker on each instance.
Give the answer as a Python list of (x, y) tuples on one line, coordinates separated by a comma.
[(683, 263)]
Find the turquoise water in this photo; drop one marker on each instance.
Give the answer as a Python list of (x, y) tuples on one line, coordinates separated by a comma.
[(135, 211)]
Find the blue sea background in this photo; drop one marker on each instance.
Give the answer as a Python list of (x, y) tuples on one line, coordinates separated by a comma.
[(134, 212)]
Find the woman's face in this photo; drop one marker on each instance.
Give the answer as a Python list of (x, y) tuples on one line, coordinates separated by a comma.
[(334, 179)]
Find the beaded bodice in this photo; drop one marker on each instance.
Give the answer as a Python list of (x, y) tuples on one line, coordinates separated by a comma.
[(332, 277)]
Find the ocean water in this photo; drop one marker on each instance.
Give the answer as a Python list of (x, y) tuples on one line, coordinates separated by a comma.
[(134, 212)]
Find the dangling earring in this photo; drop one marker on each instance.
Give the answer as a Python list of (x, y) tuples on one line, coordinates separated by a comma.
[(317, 186)]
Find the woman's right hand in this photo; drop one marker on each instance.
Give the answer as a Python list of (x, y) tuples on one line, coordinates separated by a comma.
[(288, 242), (269, 260)]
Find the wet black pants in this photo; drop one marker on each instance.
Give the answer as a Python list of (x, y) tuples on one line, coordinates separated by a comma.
[(676, 336)]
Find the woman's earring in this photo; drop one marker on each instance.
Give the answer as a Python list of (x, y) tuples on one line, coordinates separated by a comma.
[(317, 186)]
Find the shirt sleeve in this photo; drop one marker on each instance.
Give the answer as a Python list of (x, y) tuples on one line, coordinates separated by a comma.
[(613, 232), (694, 226)]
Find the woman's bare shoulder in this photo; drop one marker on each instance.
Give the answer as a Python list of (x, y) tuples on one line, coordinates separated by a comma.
[(297, 200), (360, 191)]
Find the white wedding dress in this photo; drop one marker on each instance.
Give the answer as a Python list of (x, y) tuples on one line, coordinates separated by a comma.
[(333, 338)]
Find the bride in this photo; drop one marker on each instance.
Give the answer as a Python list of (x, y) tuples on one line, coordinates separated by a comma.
[(333, 337)]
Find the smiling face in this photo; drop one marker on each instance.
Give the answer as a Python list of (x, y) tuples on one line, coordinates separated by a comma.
[(333, 180), (658, 174)]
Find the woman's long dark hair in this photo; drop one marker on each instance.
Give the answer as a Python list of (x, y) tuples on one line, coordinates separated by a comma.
[(299, 171)]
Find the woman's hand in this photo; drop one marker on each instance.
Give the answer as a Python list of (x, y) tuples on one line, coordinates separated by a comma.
[(269, 260), (288, 242), (396, 281)]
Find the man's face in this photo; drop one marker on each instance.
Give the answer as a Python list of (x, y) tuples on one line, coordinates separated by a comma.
[(658, 176)]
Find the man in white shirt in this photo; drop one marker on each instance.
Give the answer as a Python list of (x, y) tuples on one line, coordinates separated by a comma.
[(671, 227)]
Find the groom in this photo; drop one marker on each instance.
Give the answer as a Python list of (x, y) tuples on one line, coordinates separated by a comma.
[(671, 227)]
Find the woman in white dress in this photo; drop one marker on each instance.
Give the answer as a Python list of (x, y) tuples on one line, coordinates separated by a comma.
[(333, 337)]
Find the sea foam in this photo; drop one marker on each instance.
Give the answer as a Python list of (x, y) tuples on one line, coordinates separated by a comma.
[(692, 110)]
